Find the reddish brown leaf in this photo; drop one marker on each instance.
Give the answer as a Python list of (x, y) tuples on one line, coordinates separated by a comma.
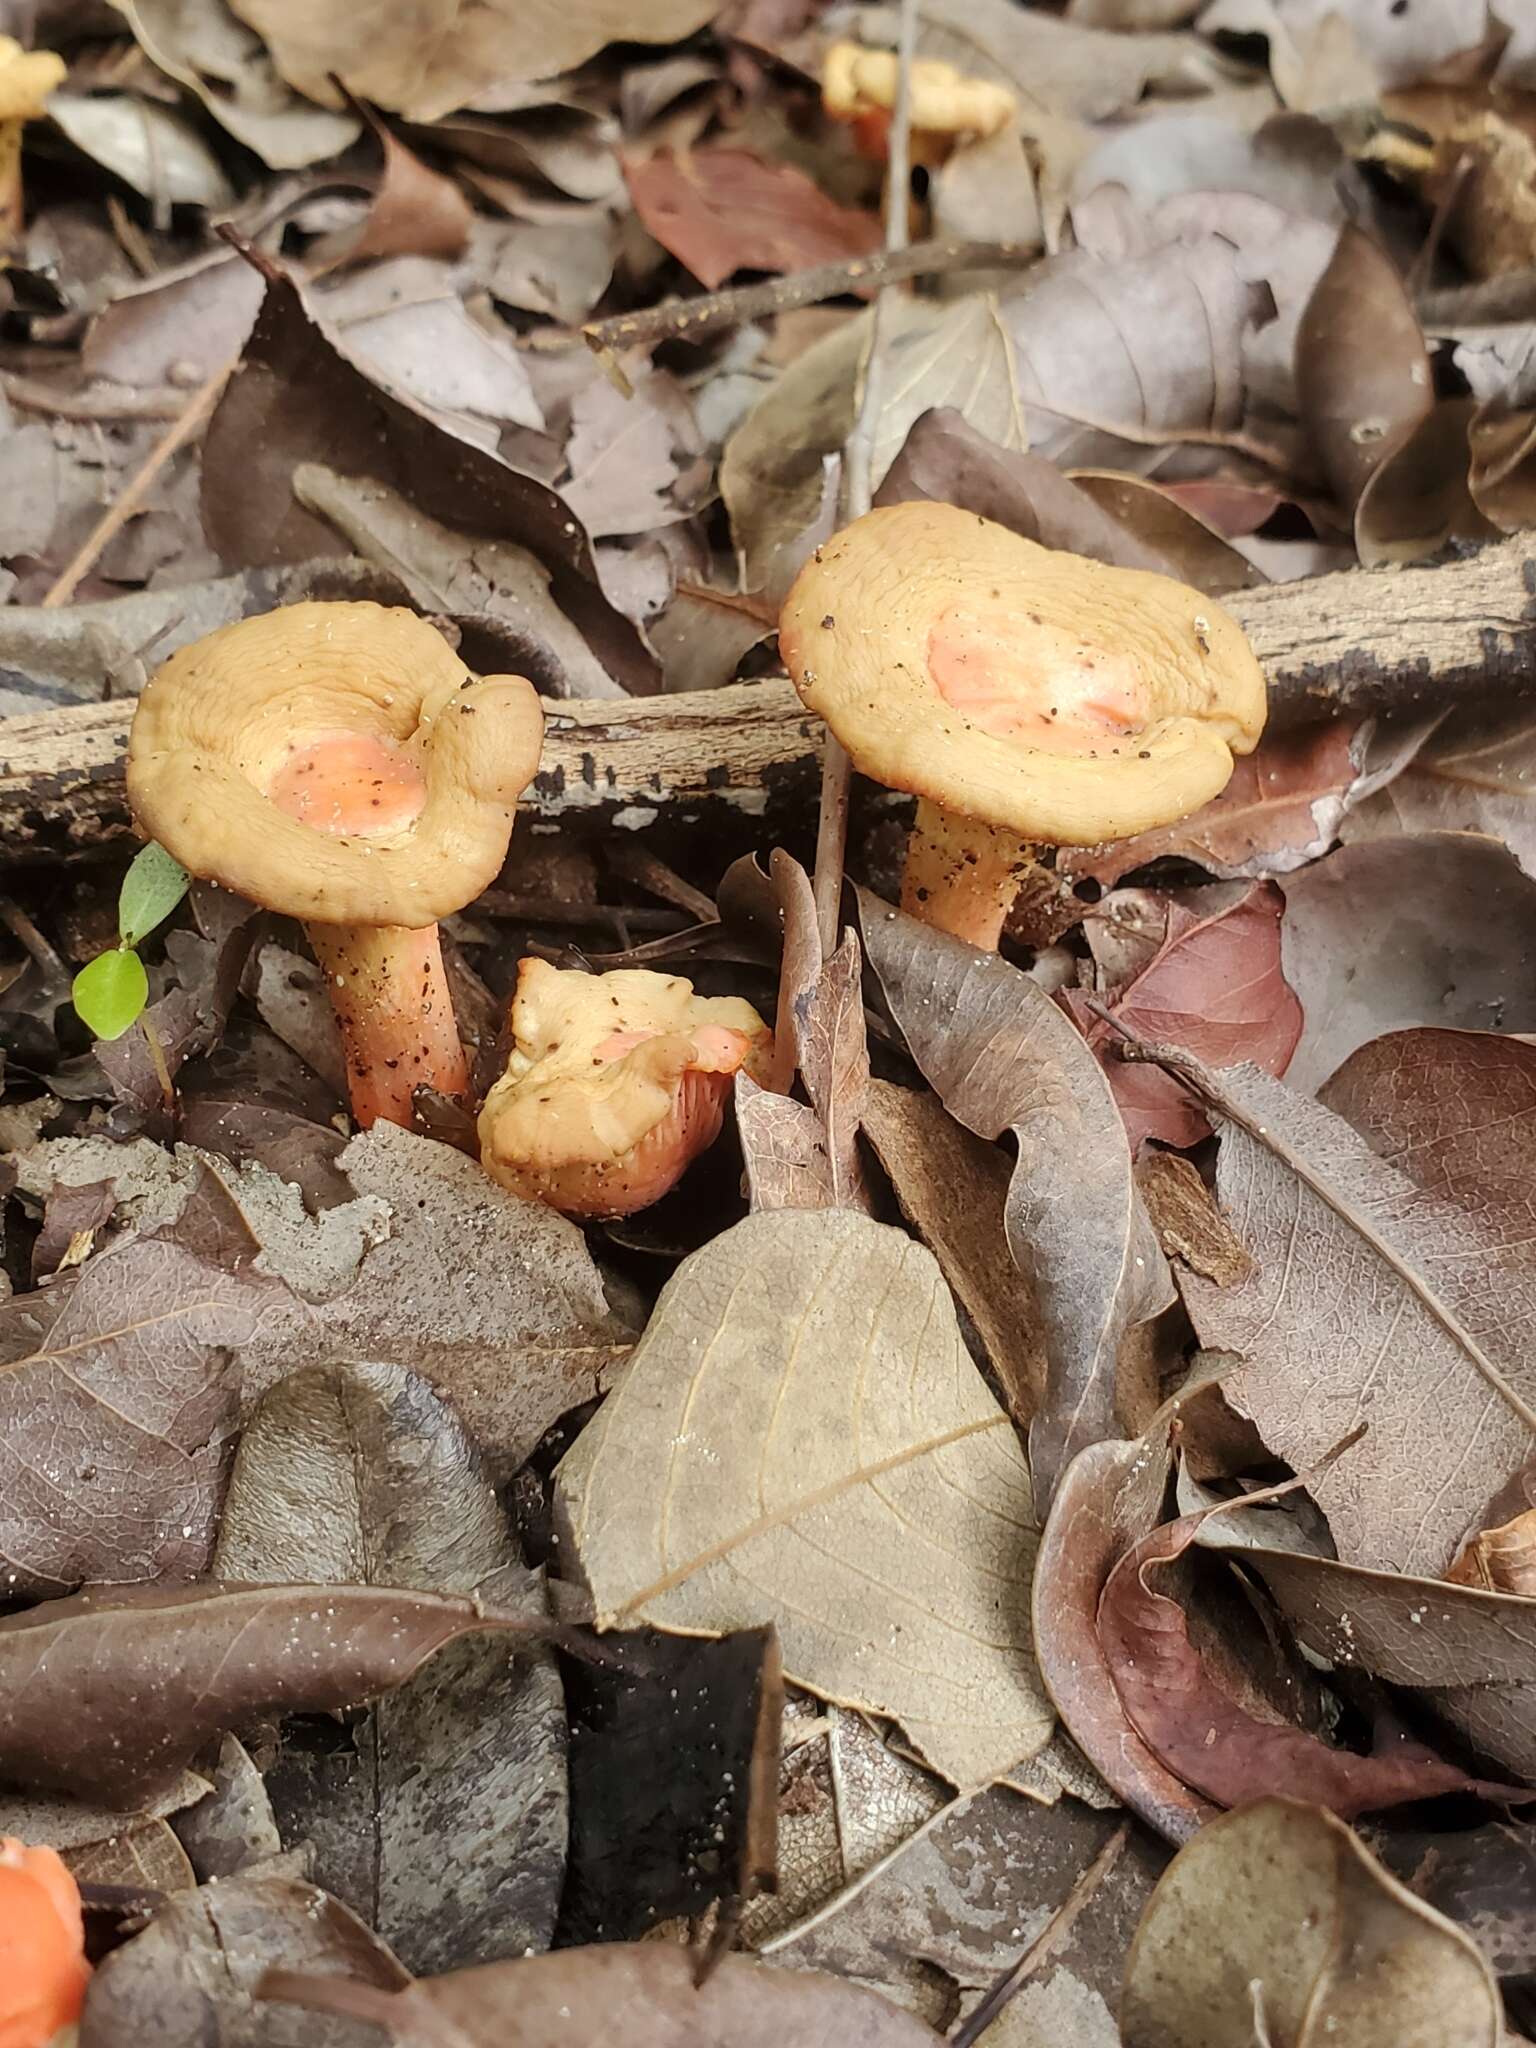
[(1216, 1746), (1215, 987), (723, 210), (416, 211), (110, 1694)]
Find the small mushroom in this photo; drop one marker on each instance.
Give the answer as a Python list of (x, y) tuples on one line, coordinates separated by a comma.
[(43, 1971), (27, 80), (337, 763), (615, 1084), (860, 86), (1024, 696)]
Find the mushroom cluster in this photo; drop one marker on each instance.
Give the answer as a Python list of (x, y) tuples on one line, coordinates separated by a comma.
[(615, 1084), (1023, 695), (338, 763)]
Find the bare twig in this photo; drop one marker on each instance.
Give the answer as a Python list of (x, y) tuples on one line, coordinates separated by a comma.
[(33, 395), (691, 319), (858, 479), (1050, 1937), (193, 417)]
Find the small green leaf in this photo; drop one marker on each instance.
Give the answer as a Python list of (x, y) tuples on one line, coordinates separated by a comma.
[(152, 888), (110, 992)]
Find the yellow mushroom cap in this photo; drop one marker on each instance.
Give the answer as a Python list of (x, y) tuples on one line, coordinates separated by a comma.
[(216, 726), (1030, 689), (615, 1083), (856, 81), (27, 78)]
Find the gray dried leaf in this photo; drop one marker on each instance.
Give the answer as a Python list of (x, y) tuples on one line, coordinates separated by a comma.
[(1003, 1057), (802, 1400), (156, 151), (145, 1856), (232, 1825), (1475, 773), (444, 1824)]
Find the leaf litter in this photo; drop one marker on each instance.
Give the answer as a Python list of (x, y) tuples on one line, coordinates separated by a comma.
[(897, 1385)]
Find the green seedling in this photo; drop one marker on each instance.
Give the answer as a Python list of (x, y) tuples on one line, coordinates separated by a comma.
[(110, 991)]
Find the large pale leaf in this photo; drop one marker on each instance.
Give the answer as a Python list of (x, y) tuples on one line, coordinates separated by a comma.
[(1004, 1058), (1370, 1303), (1276, 1925), (801, 1438)]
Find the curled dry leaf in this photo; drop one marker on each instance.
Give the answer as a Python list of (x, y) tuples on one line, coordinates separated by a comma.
[(800, 1156), (444, 1822), (1406, 931), (1501, 1559), (1475, 773), (108, 1695), (723, 210), (1278, 1925), (1357, 1265), (416, 211), (1003, 1058), (191, 1976), (1362, 370), (1214, 1744), (643, 1992), (119, 1400), (1215, 987), (801, 1438)]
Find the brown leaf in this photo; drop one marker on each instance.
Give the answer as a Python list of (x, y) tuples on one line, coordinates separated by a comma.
[(801, 1400), (945, 458), (1211, 1742), (118, 1403), (232, 1826), (1501, 1559), (296, 399), (109, 1694), (416, 211), (1357, 1265), (1195, 551), (783, 1150), (1245, 1936), (1420, 497), (1419, 930), (1475, 773), (191, 1976), (1362, 370), (723, 210), (1003, 1058), (1188, 1223), (145, 1856), (624, 452), (1109, 1499), (1282, 807), (359, 1475), (954, 1189), (427, 59), (642, 1990), (71, 1219), (1215, 986)]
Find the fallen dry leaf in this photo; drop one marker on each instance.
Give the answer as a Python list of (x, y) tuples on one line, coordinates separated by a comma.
[(1475, 773), (109, 1694), (723, 210), (1002, 1057), (1278, 1918), (1211, 1741), (953, 1190), (191, 1976), (428, 59), (1214, 986), (1356, 1265), (232, 1826), (443, 1823), (800, 1403), (415, 211), (646, 1989), (1419, 930), (120, 1398), (145, 1856)]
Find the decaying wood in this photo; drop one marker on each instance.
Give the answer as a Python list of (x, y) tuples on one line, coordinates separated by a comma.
[(1364, 640)]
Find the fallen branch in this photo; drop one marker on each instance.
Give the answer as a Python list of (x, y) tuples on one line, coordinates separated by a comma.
[(1361, 641)]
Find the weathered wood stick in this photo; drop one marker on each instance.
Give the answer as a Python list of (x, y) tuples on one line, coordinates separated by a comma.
[(1361, 641)]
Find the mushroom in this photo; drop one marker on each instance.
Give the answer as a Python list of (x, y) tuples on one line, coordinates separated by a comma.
[(860, 86), (338, 763), (615, 1084), (27, 79), (1021, 694), (43, 1970)]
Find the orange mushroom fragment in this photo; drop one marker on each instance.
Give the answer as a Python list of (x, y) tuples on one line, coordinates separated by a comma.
[(1024, 696), (860, 86), (337, 763), (615, 1084), (43, 1970), (28, 78)]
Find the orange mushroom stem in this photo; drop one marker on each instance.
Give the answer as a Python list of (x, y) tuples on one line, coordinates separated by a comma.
[(615, 1085), (43, 1970), (1026, 697), (336, 762)]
